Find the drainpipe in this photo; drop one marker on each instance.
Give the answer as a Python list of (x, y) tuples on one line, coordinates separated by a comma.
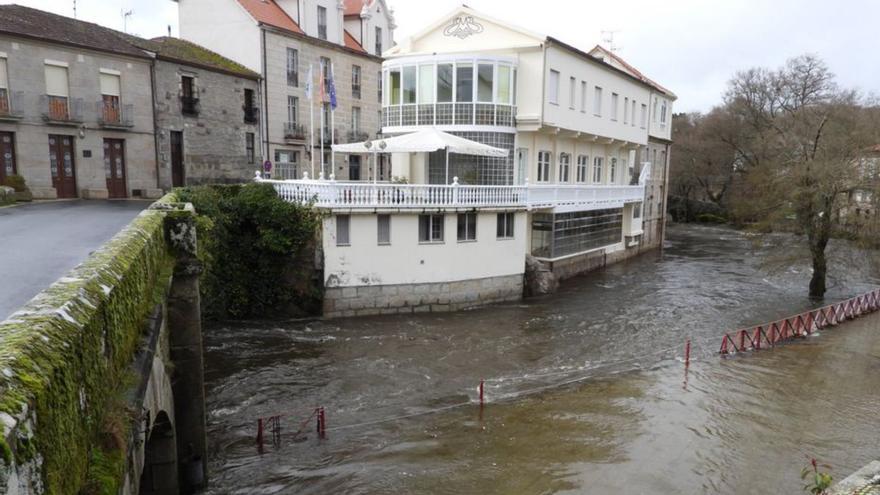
[(665, 190), (265, 89), (156, 129)]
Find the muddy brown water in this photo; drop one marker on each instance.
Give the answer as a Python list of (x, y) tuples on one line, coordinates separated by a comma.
[(586, 389)]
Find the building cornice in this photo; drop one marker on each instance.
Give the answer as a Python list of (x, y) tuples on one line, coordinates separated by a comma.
[(319, 42), (49, 41)]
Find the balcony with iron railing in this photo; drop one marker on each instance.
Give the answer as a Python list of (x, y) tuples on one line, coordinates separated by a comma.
[(251, 115), (285, 170), (355, 136), (61, 110), (294, 131), (114, 115), (11, 104), (189, 106), (446, 114)]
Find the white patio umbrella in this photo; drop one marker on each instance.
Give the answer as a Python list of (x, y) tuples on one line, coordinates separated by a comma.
[(426, 140)]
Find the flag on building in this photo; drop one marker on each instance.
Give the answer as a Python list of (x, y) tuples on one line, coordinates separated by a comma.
[(309, 84), (321, 84), (332, 90)]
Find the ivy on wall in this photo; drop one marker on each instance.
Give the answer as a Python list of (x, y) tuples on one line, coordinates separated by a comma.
[(258, 252)]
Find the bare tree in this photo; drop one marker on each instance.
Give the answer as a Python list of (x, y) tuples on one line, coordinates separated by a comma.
[(797, 140)]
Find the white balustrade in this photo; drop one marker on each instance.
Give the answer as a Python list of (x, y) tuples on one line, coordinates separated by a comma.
[(365, 195)]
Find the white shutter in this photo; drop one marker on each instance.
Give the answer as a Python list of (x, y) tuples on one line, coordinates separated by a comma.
[(4, 81), (56, 80), (109, 84)]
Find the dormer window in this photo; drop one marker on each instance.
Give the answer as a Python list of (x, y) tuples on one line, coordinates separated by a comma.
[(322, 22)]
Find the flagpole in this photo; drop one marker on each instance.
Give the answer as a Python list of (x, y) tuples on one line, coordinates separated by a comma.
[(332, 123), (322, 116), (311, 121)]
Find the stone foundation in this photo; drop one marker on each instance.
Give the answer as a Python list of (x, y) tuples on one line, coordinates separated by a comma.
[(419, 298), (588, 262)]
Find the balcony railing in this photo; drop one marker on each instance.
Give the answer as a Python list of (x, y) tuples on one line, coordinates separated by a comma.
[(115, 115), (330, 138), (469, 113), (294, 131), (285, 170), (189, 105), (11, 104), (251, 115), (356, 136), (332, 194), (61, 109)]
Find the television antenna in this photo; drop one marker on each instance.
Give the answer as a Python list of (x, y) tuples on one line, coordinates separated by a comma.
[(125, 16), (74, 9), (608, 38)]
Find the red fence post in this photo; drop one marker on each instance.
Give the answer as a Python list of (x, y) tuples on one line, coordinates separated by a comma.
[(723, 349), (323, 432), (687, 353), (482, 397), (260, 432)]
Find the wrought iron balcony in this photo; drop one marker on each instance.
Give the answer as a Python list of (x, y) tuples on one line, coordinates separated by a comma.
[(61, 110), (355, 136), (189, 105), (251, 115), (114, 115), (294, 131), (11, 104)]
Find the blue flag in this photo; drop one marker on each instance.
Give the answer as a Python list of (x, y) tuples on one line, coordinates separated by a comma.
[(332, 90)]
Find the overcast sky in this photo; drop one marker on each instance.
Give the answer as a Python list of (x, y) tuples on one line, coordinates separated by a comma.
[(690, 46)]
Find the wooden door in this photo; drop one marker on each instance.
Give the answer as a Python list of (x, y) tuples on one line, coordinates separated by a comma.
[(7, 155), (114, 168), (62, 165), (178, 177)]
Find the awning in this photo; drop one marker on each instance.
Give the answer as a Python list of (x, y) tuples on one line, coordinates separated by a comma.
[(425, 140)]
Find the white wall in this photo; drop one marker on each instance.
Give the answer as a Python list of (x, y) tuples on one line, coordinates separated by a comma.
[(309, 19), (657, 128), (406, 261), (563, 115), (555, 144), (222, 26)]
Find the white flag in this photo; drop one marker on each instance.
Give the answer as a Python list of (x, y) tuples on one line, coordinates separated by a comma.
[(309, 84)]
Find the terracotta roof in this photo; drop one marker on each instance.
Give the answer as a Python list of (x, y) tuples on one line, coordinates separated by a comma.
[(188, 52), (635, 72), (268, 12), (354, 7), (352, 43), (38, 24)]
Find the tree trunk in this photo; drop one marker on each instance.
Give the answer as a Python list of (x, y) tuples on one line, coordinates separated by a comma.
[(820, 269)]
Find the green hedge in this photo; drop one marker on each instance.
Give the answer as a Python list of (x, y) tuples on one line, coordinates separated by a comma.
[(67, 356), (257, 249)]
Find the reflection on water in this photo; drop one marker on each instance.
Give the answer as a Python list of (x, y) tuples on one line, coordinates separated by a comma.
[(739, 425)]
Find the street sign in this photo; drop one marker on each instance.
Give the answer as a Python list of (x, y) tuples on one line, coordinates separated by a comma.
[(267, 166)]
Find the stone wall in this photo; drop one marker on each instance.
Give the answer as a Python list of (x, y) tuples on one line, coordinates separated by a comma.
[(214, 140), (584, 263), (419, 298)]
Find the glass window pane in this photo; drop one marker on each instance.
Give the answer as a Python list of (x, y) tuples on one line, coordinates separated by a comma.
[(426, 84), (485, 75), (464, 82), (409, 84), (394, 84), (504, 84), (444, 83)]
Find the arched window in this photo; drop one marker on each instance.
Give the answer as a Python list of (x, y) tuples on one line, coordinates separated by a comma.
[(564, 167)]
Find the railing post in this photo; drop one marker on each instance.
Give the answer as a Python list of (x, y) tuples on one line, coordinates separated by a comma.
[(526, 198), (455, 190)]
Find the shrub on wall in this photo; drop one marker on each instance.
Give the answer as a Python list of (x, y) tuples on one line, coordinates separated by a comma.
[(258, 252)]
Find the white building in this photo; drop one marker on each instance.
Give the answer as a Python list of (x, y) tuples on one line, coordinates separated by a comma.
[(578, 128), (281, 40)]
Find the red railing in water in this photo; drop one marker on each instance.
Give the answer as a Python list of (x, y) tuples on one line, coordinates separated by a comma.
[(800, 325)]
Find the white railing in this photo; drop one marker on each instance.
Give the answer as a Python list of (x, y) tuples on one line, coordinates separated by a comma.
[(365, 195)]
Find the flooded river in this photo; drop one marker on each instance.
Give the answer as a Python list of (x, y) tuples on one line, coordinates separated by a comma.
[(586, 390)]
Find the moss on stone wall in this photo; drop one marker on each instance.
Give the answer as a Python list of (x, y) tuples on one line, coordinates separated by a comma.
[(64, 356)]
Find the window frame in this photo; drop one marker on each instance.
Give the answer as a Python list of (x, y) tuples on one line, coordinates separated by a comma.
[(379, 218), (250, 150), (347, 231), (544, 166), (356, 82), (292, 67), (505, 226), (553, 87), (470, 232), (564, 168), (322, 26), (598, 173), (583, 168), (433, 219), (597, 101)]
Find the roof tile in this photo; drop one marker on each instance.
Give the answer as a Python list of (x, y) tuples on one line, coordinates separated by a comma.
[(352, 43), (270, 13)]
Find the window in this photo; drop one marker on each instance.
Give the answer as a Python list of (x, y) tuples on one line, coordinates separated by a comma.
[(426, 84), (485, 81), (597, 101), (553, 87), (292, 67), (431, 228), (663, 113), (249, 147), (571, 85), (394, 86), (633, 118), (322, 22), (250, 107), (584, 96), (505, 226), (597, 170), (379, 88), (614, 101), (378, 41), (383, 230), (292, 110), (326, 71), (343, 227), (583, 161), (564, 166), (543, 166), (110, 93), (612, 171), (4, 90), (644, 118), (467, 227), (504, 96), (57, 92), (355, 119), (356, 81), (637, 210), (409, 84), (464, 82), (626, 111), (444, 83), (654, 110)]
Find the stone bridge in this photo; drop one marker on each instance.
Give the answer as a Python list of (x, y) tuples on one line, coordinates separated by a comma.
[(101, 375)]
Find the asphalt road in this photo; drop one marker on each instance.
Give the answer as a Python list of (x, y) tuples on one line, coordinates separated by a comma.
[(40, 242)]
